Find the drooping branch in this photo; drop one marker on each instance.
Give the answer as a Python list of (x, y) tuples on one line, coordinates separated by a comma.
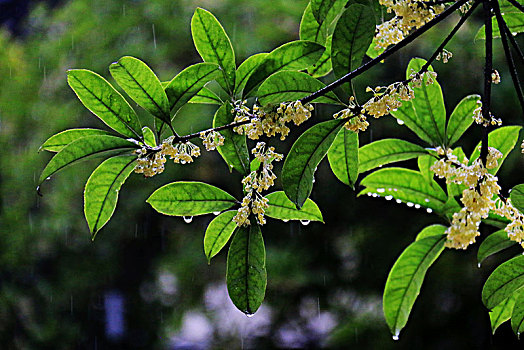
[(488, 70), (390, 51), (509, 58)]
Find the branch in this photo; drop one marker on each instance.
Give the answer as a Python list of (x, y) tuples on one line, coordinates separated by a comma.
[(507, 52), (488, 69), (448, 38), (517, 5), (385, 54)]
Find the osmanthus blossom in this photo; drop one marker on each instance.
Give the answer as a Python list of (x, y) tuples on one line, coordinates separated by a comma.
[(256, 182), (480, 197), (409, 14), (151, 162), (269, 122)]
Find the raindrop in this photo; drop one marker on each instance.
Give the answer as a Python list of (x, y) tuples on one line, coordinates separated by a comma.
[(313, 180), (188, 219), (400, 122), (48, 178), (429, 210), (395, 189), (417, 206), (388, 198), (216, 213), (285, 220), (390, 189), (154, 35), (409, 204), (478, 265), (375, 195), (381, 190), (250, 315), (399, 201), (182, 162), (426, 200), (124, 10), (395, 337), (369, 194), (305, 222)]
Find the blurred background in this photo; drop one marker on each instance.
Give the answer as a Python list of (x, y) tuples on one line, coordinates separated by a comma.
[(144, 282)]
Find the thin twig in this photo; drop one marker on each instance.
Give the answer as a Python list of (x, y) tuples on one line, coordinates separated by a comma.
[(507, 52), (418, 32), (488, 69), (513, 41)]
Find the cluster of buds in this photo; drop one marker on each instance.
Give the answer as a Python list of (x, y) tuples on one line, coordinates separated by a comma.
[(478, 117), (357, 121), (445, 55), (211, 139), (151, 162), (495, 77), (409, 14), (256, 182), (270, 122), (479, 197)]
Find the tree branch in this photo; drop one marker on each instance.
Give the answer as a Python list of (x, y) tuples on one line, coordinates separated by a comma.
[(517, 5), (507, 52), (488, 69), (385, 54)]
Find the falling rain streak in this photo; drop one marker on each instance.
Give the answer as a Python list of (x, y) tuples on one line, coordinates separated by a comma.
[(154, 35)]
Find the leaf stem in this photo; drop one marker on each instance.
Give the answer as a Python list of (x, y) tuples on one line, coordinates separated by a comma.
[(363, 68), (507, 52)]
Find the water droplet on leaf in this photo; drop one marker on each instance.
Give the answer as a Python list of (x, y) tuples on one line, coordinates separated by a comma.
[(285, 220), (409, 204), (381, 190), (417, 206), (305, 222), (188, 219), (400, 122), (429, 210), (388, 198), (216, 213)]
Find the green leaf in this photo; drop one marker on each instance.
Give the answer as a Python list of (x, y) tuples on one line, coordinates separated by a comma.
[(405, 185), (461, 118), (424, 165), (142, 85), (323, 66), (343, 157), (427, 118), (58, 141), (213, 45), (206, 96), (218, 233), (517, 316), (405, 280), (303, 158), (187, 198), (295, 55), (517, 197), (247, 68), (387, 151), (97, 95), (514, 20), (234, 150), (280, 207), (352, 36), (189, 83), (432, 230), (373, 51), (101, 191), (312, 30), (504, 139), (321, 8), (494, 243), (84, 148), (501, 313), (292, 86), (246, 269), (506, 279), (149, 136)]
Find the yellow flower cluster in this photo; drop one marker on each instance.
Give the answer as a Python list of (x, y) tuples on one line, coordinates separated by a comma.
[(479, 198), (495, 77), (445, 55), (211, 139), (255, 183), (270, 122), (479, 118), (409, 14), (151, 162)]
